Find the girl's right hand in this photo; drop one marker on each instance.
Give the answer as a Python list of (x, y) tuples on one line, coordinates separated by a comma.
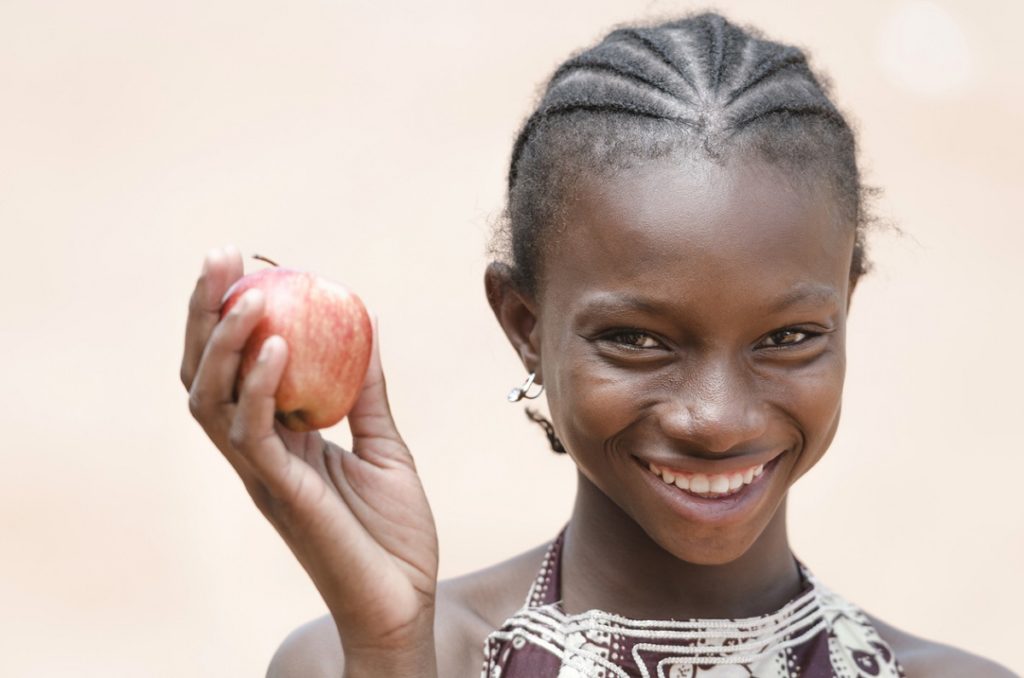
[(358, 521)]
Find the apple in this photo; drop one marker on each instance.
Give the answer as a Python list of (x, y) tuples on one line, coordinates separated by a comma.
[(329, 338)]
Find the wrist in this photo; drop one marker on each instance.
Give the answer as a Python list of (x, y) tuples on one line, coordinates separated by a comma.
[(408, 652), (413, 661)]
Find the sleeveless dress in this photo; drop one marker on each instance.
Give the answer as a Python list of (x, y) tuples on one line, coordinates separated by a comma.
[(817, 634)]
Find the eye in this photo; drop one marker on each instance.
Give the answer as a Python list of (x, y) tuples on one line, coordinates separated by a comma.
[(789, 336), (631, 339)]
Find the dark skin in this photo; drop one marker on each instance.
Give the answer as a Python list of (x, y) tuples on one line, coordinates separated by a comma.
[(718, 343), (695, 318)]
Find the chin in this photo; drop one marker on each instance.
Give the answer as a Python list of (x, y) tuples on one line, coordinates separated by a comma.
[(705, 549), (710, 529)]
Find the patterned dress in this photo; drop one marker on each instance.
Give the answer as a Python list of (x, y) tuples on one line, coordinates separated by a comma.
[(818, 634)]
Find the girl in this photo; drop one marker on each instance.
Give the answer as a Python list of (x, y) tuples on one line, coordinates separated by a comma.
[(684, 232)]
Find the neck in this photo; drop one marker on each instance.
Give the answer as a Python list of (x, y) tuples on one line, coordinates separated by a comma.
[(609, 563)]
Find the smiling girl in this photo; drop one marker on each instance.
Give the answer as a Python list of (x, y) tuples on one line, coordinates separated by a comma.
[(684, 232)]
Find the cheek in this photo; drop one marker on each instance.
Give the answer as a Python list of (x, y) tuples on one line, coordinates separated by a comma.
[(588, 405), (815, 404)]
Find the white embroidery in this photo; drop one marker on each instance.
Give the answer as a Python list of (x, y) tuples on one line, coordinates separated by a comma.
[(591, 644)]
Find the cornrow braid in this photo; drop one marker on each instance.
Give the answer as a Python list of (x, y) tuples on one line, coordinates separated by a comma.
[(549, 429), (700, 83)]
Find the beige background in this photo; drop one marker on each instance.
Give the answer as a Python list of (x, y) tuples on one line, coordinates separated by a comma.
[(368, 142)]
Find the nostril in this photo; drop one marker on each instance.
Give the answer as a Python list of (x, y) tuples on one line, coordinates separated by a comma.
[(713, 427)]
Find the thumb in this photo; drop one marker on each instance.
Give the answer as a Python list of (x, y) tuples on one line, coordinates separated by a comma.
[(375, 437)]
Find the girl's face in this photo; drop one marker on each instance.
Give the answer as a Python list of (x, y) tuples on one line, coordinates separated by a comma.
[(692, 317)]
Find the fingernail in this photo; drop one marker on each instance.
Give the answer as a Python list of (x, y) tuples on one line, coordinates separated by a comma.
[(265, 350), (244, 303), (207, 259)]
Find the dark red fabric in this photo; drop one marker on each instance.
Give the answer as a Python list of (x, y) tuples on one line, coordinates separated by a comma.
[(515, 657)]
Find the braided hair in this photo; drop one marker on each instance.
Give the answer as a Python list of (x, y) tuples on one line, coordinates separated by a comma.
[(700, 85)]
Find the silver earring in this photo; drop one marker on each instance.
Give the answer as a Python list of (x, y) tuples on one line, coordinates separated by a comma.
[(520, 392)]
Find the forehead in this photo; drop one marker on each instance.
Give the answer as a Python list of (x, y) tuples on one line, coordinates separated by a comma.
[(739, 227)]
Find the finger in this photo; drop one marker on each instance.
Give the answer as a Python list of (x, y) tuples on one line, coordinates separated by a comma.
[(213, 390), (253, 434), (374, 434), (221, 268)]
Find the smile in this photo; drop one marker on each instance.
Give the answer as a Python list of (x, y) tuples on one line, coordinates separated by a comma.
[(709, 486)]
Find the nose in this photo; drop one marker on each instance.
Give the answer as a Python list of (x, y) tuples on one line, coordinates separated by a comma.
[(715, 408)]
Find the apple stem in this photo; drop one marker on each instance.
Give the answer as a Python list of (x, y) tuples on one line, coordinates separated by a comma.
[(263, 258)]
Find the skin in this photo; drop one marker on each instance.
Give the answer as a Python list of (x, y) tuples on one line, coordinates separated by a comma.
[(724, 348), (691, 261), (357, 520)]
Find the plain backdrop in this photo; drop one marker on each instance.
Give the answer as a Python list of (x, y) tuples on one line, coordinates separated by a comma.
[(368, 141)]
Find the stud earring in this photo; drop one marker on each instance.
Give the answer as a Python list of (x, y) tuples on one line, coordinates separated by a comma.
[(520, 392)]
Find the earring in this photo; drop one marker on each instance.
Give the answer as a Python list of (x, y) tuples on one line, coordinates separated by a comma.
[(520, 392)]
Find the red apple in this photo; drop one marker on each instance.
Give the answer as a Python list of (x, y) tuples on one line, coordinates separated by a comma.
[(329, 338)]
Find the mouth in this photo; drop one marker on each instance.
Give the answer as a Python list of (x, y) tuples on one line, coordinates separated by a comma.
[(730, 496), (710, 485)]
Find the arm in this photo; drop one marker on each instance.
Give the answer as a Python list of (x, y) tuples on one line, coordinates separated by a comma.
[(313, 651), (357, 520)]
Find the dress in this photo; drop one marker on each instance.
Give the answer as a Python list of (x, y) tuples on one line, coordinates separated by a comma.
[(817, 634)]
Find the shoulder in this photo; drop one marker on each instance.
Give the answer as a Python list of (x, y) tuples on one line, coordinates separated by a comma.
[(468, 609), (493, 594), (922, 658), (312, 650)]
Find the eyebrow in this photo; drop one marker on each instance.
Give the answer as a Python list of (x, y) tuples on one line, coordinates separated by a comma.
[(805, 293), (800, 293), (617, 303)]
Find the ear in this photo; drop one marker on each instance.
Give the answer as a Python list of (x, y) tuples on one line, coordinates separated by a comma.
[(516, 313)]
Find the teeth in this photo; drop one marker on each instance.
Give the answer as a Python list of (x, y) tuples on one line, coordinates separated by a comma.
[(715, 484), (719, 484)]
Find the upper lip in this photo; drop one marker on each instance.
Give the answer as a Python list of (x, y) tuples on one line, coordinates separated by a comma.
[(691, 465)]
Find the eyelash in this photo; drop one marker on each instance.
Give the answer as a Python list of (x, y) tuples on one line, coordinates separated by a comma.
[(614, 336), (808, 336)]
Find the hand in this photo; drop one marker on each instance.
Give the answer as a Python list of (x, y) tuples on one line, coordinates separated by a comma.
[(359, 521)]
